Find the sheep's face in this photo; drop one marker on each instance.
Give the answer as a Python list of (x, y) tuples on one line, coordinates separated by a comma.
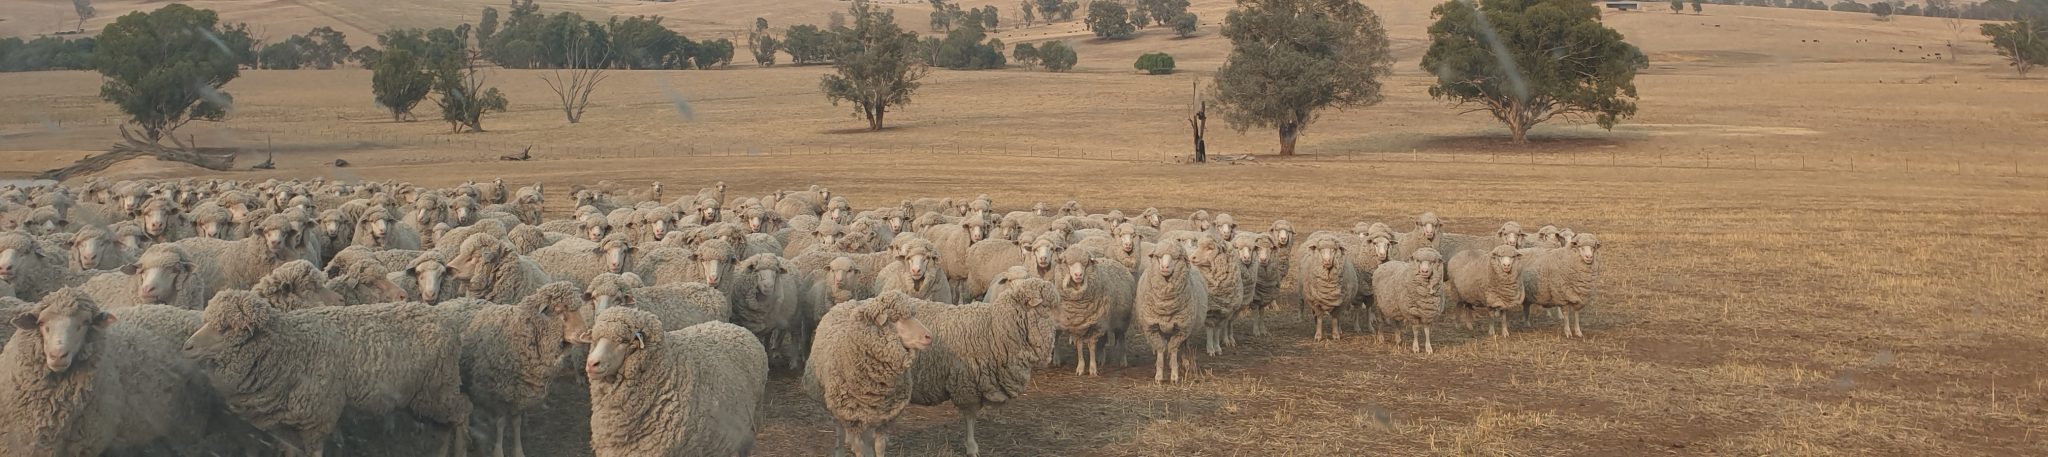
[(915, 260), (1227, 229), (607, 355), (1587, 246), (895, 223), (1428, 228), (605, 296), (429, 274), (14, 261), (213, 228), (595, 227), (915, 336), (378, 224), (1282, 237), (1077, 271), (89, 250), (132, 202), (1247, 253), (713, 265), (1072, 208), (64, 330), (707, 212), (1041, 209), (1382, 247), (659, 225), (281, 240), (156, 218), (1008, 229), (1168, 258), (1127, 237), (332, 223), (767, 273), (1504, 258), (44, 222), (1042, 253), (827, 235), (1328, 253), (618, 255), (840, 212), (465, 213)]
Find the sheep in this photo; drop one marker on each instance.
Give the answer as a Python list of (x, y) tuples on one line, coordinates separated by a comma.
[(824, 237), (293, 374), (448, 241), (363, 283), (1547, 237), (577, 261), (1095, 302), (917, 272), (94, 248), (695, 391), (212, 221), (951, 242), (1199, 221), (1411, 293), (1424, 236), (1567, 278), (1327, 280), (990, 259), (296, 285), (1484, 282), (1276, 254), (377, 228), (82, 382), (767, 302), (494, 272), (982, 354), (838, 211), (678, 304), (525, 239), (1449, 245), (510, 353), (1171, 301), (162, 220), (708, 262), (45, 221), (860, 365), (162, 275), (1221, 270)]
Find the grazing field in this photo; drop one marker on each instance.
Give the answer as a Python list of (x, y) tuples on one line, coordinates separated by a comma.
[(1817, 241)]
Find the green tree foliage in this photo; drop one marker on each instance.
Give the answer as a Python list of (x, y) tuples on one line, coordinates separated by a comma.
[(1184, 24), (326, 48), (399, 80), (1527, 61), (85, 12), (366, 57), (1292, 58), (642, 43), (807, 44), (1025, 54), (967, 48), (1677, 6), (163, 69), (1057, 56), (487, 26), (1849, 6), (1140, 18), (1029, 11), (989, 18), (878, 66), (2023, 42), (1162, 12), (1695, 6), (1882, 10), (1108, 19), (460, 88), (1157, 63), (284, 55), (236, 40), (45, 53)]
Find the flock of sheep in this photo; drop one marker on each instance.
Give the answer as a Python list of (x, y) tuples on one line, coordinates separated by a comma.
[(224, 318)]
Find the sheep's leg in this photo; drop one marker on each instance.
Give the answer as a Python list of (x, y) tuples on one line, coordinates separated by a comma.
[(844, 441), (881, 440), (1527, 321), (1080, 357), (971, 414), (1503, 322), (1319, 327), (1579, 323), (1173, 353), (1158, 364), (1428, 342), (519, 435), (498, 438), (1565, 321)]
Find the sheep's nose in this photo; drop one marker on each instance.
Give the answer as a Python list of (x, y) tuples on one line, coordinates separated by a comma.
[(591, 368)]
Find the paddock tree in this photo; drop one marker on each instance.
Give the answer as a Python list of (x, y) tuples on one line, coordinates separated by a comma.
[(163, 68), (878, 65), (2023, 42), (1527, 61), (1290, 59)]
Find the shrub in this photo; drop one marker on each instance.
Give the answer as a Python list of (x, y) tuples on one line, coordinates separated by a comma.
[(1157, 63)]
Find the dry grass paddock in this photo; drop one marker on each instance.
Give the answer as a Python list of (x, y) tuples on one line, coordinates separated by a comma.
[(1816, 242)]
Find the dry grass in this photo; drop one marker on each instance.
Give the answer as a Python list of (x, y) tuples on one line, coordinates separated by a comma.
[(1893, 310)]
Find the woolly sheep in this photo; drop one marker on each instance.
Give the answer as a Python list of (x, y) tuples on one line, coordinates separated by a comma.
[(1567, 278), (982, 354), (1427, 226), (317, 363), (525, 239), (678, 304), (577, 261), (951, 242), (377, 228), (916, 271), (766, 303), (990, 259), (860, 366), (823, 237), (77, 382), (511, 352), (1277, 254), (1171, 301), (363, 283), (1095, 308), (446, 243), (493, 272), (1411, 293), (1327, 280), (33, 269), (1218, 263), (708, 381), (94, 248), (1486, 282)]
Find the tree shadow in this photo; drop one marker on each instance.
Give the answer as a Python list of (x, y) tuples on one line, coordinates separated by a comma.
[(860, 130)]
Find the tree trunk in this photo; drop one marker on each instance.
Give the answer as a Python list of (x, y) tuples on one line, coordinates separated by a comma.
[(1288, 133), (875, 115), (397, 116)]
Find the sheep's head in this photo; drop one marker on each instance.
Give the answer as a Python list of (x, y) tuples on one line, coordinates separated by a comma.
[(297, 280), (617, 251), (1076, 262), (232, 317), (1071, 208), (896, 218), (44, 221), (429, 271), (281, 236), (130, 236), (595, 226), (1428, 263), (1428, 223), (1549, 237), (20, 253), (1251, 248), (89, 244), (1504, 258), (891, 312), (1007, 229), (839, 271), (69, 323), (658, 222), (1326, 251), (1036, 298), (610, 289), (1042, 251), (1382, 245), (1168, 258), (839, 211), (156, 216), (917, 256), (707, 210), (1282, 233), (465, 208), (560, 299), (303, 203), (1114, 218), (366, 279), (477, 261), (618, 334), (715, 258), (827, 233), (767, 271), (1587, 246), (1041, 209), (976, 229), (215, 222), (1510, 233), (1225, 225), (377, 222), (1126, 237)]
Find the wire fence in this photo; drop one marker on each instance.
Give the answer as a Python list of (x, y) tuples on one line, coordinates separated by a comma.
[(487, 147)]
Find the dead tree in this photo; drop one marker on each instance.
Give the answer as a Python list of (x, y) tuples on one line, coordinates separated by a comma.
[(521, 156), (216, 159), (1200, 123), (573, 84)]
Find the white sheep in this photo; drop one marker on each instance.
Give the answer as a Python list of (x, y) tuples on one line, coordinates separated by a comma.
[(1484, 282), (1218, 262), (1411, 293), (1171, 302), (707, 381), (916, 271), (511, 352), (859, 368), (767, 302), (1328, 281), (494, 272), (982, 354), (80, 383), (1566, 278), (1096, 296)]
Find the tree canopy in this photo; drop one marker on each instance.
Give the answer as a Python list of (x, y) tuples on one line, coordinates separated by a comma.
[(164, 68), (878, 67), (1527, 61), (1292, 58)]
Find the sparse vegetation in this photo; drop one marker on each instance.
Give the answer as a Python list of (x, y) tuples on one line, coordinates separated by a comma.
[(1109, 20), (1057, 56), (1551, 58), (878, 68), (163, 71), (1292, 58), (85, 12), (1155, 63), (807, 44), (1882, 10)]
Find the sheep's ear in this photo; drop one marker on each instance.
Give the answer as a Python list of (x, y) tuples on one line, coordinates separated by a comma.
[(627, 299), (599, 250), (588, 297), (103, 319), (24, 321), (130, 269), (639, 340)]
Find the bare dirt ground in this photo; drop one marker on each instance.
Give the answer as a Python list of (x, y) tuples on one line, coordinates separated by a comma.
[(1818, 242)]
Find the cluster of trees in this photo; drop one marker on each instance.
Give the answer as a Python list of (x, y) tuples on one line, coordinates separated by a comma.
[(947, 17), (441, 61), (45, 53), (806, 44), (1110, 19), (2023, 41), (1048, 11), (526, 38), (322, 48), (161, 91), (1990, 10), (1679, 5), (964, 48), (1055, 56)]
